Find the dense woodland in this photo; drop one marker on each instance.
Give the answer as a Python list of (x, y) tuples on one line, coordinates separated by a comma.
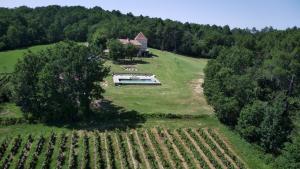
[(252, 82), (25, 26), (255, 90)]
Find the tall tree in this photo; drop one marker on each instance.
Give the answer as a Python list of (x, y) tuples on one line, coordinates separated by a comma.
[(131, 51), (116, 50), (63, 87), (25, 83)]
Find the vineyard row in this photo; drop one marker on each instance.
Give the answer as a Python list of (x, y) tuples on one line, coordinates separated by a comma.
[(142, 148)]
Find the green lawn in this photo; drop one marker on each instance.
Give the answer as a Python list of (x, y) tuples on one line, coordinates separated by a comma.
[(179, 77), (10, 110), (180, 93), (9, 58)]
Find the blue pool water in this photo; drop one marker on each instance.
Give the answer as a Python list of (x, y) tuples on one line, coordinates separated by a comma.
[(137, 81)]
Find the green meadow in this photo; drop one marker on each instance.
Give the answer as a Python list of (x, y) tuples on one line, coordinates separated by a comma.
[(9, 58), (180, 93)]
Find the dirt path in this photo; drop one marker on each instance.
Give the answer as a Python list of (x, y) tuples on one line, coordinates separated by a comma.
[(95, 151), (26, 154), (153, 150), (221, 149), (187, 149), (131, 152), (119, 151), (72, 147), (224, 139), (197, 92), (104, 84), (164, 148), (142, 151), (176, 150), (199, 150), (209, 148), (197, 85), (106, 151)]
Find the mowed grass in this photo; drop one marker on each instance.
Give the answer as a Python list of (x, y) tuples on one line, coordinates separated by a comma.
[(179, 75), (9, 58), (180, 92)]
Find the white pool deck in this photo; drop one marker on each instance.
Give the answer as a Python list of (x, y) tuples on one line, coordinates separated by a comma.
[(135, 79)]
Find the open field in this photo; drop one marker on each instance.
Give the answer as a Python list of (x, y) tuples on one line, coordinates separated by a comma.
[(180, 93), (9, 58), (143, 148)]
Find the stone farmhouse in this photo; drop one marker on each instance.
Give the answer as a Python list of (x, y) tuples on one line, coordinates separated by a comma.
[(139, 41)]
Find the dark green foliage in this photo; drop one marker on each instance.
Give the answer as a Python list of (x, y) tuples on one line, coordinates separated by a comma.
[(254, 86), (98, 41), (290, 158), (250, 119), (25, 82), (25, 26), (131, 51), (119, 51), (58, 83), (276, 125), (225, 83), (116, 50)]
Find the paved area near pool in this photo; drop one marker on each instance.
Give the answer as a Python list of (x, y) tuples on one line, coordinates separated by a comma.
[(135, 79)]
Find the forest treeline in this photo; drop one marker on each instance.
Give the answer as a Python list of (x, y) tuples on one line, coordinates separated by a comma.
[(23, 26), (252, 82), (256, 91)]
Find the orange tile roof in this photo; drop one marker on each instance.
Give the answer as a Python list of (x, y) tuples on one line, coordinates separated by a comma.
[(140, 36), (128, 41)]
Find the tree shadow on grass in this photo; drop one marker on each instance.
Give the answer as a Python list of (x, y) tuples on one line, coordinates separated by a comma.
[(108, 117), (131, 62), (153, 55), (1, 108)]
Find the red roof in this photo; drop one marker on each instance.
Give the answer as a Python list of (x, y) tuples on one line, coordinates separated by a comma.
[(140, 36), (128, 41)]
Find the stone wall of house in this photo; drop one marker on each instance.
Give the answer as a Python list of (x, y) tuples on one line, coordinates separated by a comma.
[(144, 43)]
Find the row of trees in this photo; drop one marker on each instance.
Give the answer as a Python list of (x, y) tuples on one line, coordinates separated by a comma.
[(25, 26), (58, 83), (255, 89)]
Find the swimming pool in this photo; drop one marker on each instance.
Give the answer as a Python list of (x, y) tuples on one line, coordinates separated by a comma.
[(135, 79)]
